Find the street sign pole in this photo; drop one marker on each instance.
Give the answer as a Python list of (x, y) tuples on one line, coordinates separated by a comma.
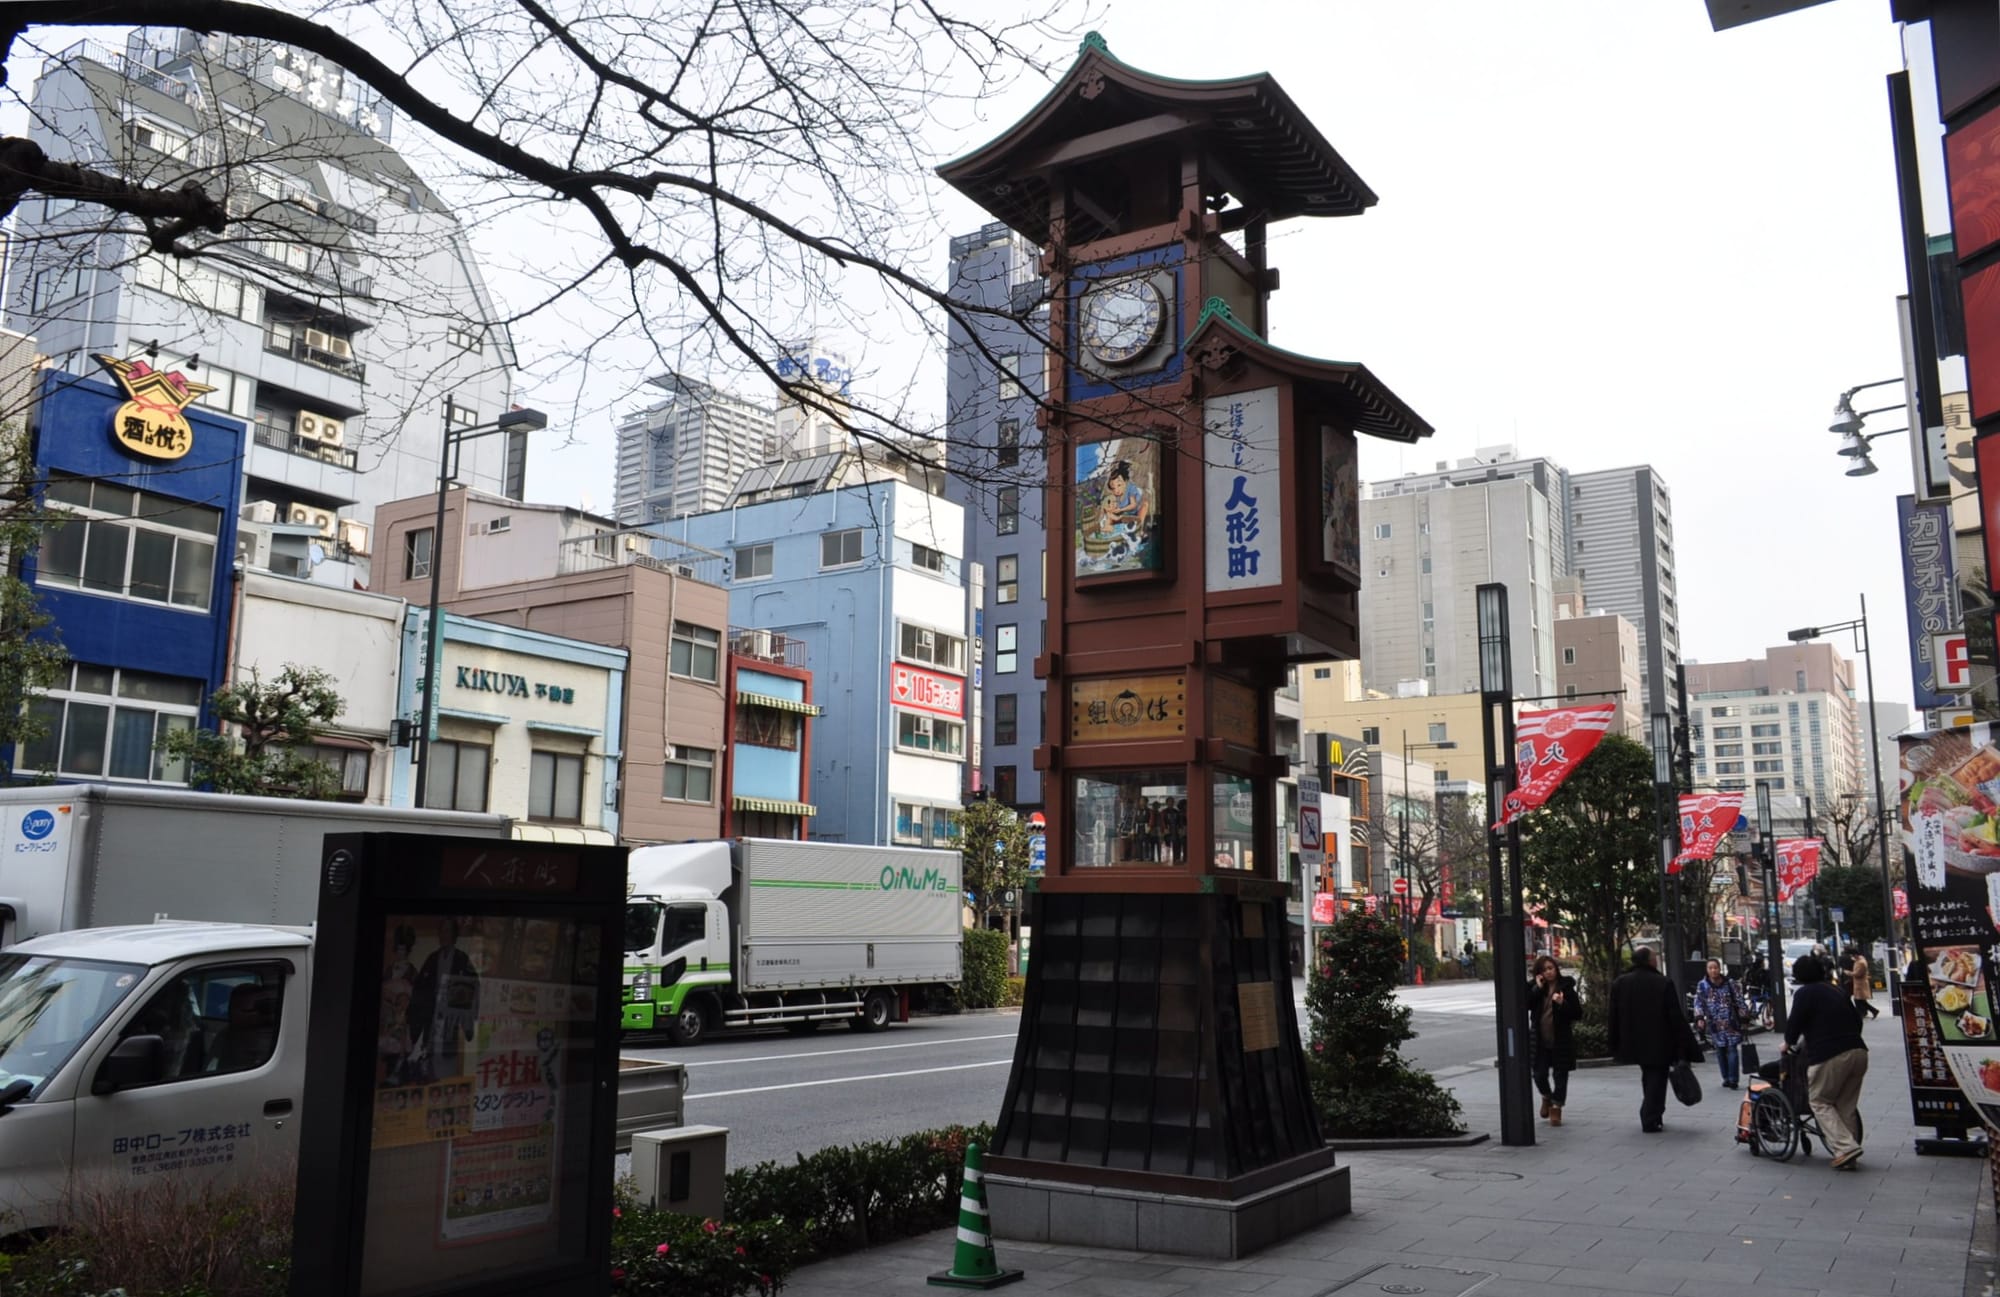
[(1312, 853), (1503, 864)]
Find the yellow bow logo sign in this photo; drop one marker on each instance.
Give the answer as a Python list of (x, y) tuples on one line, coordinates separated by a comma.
[(153, 422)]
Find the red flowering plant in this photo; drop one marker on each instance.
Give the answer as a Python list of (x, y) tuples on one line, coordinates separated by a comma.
[(660, 1254)]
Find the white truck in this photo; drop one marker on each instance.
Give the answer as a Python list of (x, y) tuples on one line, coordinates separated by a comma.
[(94, 855), (754, 932), (175, 1052)]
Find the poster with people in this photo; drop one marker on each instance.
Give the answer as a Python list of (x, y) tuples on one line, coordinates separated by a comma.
[(1117, 507), (1948, 820)]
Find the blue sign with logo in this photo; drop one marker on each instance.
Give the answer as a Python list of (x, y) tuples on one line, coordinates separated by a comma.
[(1038, 852), (37, 824)]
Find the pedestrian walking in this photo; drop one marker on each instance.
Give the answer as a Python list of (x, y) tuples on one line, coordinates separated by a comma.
[(1825, 1018), (1650, 1028), (1553, 1009), (1861, 980), (1722, 1012)]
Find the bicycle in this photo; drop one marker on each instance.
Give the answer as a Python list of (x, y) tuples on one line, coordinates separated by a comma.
[(1775, 1119)]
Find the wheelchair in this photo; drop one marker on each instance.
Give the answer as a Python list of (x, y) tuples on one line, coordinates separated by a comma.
[(1775, 1120)]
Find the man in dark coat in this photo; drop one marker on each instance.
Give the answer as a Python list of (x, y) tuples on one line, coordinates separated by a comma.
[(1650, 1027), (444, 1006)]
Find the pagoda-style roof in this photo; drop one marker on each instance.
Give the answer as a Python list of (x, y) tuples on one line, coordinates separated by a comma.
[(1276, 159), (1220, 340)]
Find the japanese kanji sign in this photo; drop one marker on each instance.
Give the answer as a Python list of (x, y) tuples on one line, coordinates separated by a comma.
[(1798, 865), (1548, 745), (1244, 499), (1119, 709), (1930, 590), (927, 691), (1705, 817)]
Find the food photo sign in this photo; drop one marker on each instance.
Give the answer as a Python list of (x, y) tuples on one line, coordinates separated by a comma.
[(1949, 821)]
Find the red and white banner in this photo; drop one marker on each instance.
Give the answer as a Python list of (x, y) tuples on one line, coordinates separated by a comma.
[(927, 691), (1323, 907), (1902, 903), (1548, 745), (1705, 817), (1798, 865)]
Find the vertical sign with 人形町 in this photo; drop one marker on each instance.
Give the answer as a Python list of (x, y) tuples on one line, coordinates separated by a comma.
[(1930, 590), (1244, 513)]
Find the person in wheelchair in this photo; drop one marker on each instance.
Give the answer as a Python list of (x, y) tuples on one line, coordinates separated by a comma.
[(1825, 1019)]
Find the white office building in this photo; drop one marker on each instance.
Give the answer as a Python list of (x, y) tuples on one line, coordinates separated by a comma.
[(1621, 547), (684, 455)]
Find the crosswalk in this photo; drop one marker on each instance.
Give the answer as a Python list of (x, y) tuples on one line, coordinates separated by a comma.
[(1474, 1001)]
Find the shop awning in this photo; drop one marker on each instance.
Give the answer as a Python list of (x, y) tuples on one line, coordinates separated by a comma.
[(771, 806), (744, 698), (574, 835)]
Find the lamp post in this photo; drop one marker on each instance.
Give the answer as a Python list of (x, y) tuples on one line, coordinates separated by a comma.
[(1503, 869), (1774, 946), (1847, 422), (1403, 844), (1666, 815), (454, 437), (1882, 823)]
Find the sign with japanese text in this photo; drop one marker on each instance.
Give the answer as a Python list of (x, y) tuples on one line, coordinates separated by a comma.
[(1547, 746), (1323, 907), (1243, 498), (1705, 818), (1232, 712), (1798, 865), (1119, 709), (927, 691), (1930, 584), (153, 423), (1312, 845)]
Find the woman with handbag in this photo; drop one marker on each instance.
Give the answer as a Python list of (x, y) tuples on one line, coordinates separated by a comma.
[(1722, 1011), (1553, 1009)]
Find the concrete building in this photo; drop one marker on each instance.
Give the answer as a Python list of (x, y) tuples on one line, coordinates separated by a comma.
[(1427, 540), (995, 451), (344, 310), (1788, 717), (1879, 733), (865, 568), (685, 454), (1331, 700), (1597, 659), (1621, 546), (564, 572), (768, 759)]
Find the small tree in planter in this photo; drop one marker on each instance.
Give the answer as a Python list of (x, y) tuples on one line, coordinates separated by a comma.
[(1362, 1084)]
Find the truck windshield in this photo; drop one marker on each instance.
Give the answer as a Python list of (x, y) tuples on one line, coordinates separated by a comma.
[(49, 1007), (642, 925)]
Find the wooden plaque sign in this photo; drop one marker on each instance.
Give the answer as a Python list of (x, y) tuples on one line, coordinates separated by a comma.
[(1232, 712), (1119, 709), (1257, 1010)]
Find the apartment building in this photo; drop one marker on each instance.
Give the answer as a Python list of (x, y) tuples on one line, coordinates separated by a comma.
[(1788, 718), (685, 454), (1621, 547)]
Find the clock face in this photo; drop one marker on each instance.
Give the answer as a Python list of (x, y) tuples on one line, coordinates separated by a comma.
[(1121, 319)]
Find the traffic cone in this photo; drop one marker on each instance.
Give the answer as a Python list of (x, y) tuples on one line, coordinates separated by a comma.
[(973, 1264)]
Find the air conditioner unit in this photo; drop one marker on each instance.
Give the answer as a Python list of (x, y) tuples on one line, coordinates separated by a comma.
[(631, 544), (353, 536), (261, 511), (307, 425), (301, 513), (319, 339), (328, 523), (340, 346), (320, 428), (760, 644), (684, 569)]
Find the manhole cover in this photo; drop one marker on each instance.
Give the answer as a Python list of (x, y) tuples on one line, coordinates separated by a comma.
[(1412, 1281), (1488, 1176)]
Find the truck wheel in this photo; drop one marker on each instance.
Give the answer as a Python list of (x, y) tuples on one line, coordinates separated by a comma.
[(689, 1027), (877, 1012)]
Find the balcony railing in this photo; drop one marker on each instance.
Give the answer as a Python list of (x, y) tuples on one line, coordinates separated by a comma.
[(301, 350), (767, 646), (633, 547), (289, 441)]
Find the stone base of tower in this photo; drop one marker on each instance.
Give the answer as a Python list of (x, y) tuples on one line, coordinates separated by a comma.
[(1159, 1099)]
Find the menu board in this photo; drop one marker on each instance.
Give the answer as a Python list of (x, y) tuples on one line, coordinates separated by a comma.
[(477, 1124), (1949, 820)]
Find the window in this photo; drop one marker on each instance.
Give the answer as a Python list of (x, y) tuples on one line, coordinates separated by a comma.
[(1381, 531), (1006, 649), (926, 558), (689, 775), (1799, 681), (695, 652), (1010, 377), (1427, 565), (1729, 767), (1006, 719), (1769, 731), (1569, 657), (1729, 731), (215, 1020), (200, 285), (1006, 785), (1729, 749), (1767, 749), (753, 562), (457, 778), (932, 647), (1007, 578), (350, 764), (767, 727), (1009, 444), (1569, 691), (108, 724), (1007, 512), (1371, 736), (1767, 767), (55, 284), (417, 553), (465, 339), (148, 134), (232, 392), (112, 540), (1437, 732), (1322, 673), (911, 820), (929, 734), (555, 787), (840, 548)]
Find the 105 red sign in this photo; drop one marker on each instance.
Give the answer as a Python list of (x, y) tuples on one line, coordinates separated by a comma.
[(926, 691)]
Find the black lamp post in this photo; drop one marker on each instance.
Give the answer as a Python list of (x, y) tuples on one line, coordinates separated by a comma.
[(1774, 946), (1503, 869), (454, 437), (1666, 814)]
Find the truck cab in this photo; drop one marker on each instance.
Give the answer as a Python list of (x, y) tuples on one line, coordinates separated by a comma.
[(676, 944), (133, 1054)]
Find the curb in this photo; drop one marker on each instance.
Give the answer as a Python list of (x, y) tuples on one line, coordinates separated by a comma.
[(1466, 1140), (1584, 1064)]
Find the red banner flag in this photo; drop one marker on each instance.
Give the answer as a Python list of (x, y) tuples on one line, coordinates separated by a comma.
[(1548, 745), (1798, 865), (1705, 817), (1902, 903)]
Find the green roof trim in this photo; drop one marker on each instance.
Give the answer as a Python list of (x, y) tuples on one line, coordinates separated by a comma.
[(1093, 41), (1219, 309), (772, 806)]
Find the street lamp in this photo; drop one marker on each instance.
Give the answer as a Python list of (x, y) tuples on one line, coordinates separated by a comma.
[(1667, 820), (1503, 868), (1774, 947), (1860, 626), (1403, 842), (1847, 423), (517, 420)]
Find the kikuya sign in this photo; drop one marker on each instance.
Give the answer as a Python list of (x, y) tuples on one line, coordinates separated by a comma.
[(154, 422), (513, 686)]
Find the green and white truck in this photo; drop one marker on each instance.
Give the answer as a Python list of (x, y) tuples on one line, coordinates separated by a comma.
[(760, 933)]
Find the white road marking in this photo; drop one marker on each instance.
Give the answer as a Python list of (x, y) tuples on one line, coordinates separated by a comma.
[(828, 1053), (1476, 1004), (843, 1080)]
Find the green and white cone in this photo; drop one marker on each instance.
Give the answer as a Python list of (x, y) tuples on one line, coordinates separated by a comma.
[(973, 1264)]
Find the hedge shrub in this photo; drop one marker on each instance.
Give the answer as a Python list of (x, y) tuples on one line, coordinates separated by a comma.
[(985, 982), (1363, 1085)]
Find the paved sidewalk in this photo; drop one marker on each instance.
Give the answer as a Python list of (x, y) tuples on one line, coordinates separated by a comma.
[(1595, 1207)]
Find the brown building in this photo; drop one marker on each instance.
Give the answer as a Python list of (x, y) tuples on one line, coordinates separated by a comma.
[(565, 572), (1597, 659)]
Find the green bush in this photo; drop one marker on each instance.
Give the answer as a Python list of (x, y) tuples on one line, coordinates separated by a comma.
[(1482, 965), (656, 1252), (985, 959), (1423, 956), (1363, 1086), (1592, 1040), (1017, 993)]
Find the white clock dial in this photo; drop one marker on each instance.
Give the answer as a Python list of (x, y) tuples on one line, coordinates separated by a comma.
[(1121, 319)]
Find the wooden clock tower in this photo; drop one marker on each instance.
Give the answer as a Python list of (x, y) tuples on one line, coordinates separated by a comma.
[(1203, 516)]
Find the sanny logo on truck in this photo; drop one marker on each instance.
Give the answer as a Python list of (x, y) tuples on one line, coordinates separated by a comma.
[(908, 879), (37, 824)]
